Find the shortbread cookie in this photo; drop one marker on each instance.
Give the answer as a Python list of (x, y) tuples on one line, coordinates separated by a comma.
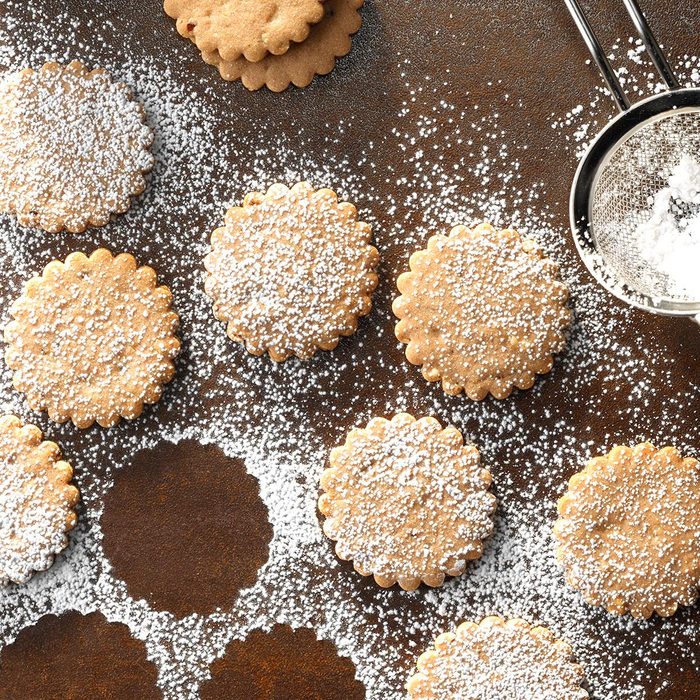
[(482, 310), (291, 271), (407, 501), (37, 501), (498, 659), (92, 339), (330, 39), (628, 533), (73, 147), (244, 28)]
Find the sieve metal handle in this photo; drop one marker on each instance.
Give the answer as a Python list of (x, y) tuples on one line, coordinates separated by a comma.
[(601, 60), (652, 46), (598, 54)]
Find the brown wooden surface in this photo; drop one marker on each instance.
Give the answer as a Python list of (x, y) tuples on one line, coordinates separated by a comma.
[(525, 47)]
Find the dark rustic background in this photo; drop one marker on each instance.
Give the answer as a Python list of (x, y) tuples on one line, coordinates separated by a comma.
[(479, 50)]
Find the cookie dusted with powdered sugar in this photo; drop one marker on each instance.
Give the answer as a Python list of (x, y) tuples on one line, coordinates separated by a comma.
[(291, 271), (628, 533), (73, 147), (407, 501), (244, 28), (328, 40), (37, 501), (92, 339), (482, 310), (498, 659)]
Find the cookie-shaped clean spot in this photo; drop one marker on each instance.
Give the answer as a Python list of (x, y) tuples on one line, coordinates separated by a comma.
[(482, 310), (185, 528), (628, 533), (92, 339), (37, 501), (247, 28), (73, 147), (498, 659), (76, 656), (284, 663), (407, 501), (328, 40), (291, 271)]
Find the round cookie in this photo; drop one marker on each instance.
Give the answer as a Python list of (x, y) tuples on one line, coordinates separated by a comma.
[(244, 28), (37, 501), (92, 339), (328, 40), (497, 659), (482, 310), (74, 656), (407, 501), (628, 533), (282, 663), (73, 147), (291, 271)]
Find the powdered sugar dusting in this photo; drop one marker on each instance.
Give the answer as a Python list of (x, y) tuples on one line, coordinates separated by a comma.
[(455, 165), (36, 507), (407, 501), (498, 659), (73, 147)]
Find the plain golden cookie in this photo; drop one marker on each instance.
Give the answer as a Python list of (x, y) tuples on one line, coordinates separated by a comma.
[(73, 147), (482, 310), (628, 533), (37, 501), (244, 28), (92, 339), (497, 659), (328, 40), (407, 501), (291, 271)]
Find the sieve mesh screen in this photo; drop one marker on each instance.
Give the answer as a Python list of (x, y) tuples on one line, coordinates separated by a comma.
[(645, 213)]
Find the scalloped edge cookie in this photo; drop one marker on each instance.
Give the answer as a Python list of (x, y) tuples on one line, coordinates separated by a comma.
[(37, 501), (418, 529), (48, 180), (101, 389), (478, 642), (482, 310), (329, 40)]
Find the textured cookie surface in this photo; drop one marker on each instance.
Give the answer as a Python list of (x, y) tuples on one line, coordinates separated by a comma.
[(247, 28), (407, 501), (482, 310), (628, 533), (291, 271), (498, 659), (92, 339), (73, 147), (37, 501), (328, 40)]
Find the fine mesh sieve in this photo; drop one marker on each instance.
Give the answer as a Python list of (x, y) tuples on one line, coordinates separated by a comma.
[(626, 190)]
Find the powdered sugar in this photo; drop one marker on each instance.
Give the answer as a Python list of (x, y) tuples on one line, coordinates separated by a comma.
[(73, 147), (496, 660), (670, 240), (633, 505), (407, 501), (291, 271), (36, 502)]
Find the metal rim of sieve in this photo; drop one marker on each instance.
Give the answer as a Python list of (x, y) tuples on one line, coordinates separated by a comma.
[(631, 120), (608, 141)]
